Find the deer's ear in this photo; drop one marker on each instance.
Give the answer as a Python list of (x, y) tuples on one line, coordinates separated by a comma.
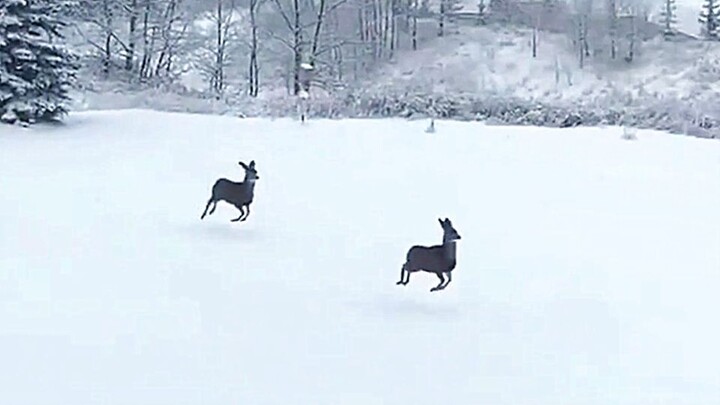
[(447, 221), (243, 165), (252, 164), (441, 221)]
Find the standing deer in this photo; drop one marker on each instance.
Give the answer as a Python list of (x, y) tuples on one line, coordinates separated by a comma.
[(436, 259), (238, 194)]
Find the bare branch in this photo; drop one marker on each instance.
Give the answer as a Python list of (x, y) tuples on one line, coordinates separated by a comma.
[(283, 14)]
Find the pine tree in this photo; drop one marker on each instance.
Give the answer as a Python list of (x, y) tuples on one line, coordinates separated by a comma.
[(710, 19), (36, 72), (668, 18)]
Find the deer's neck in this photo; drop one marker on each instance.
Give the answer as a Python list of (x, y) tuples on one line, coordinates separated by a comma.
[(249, 188), (450, 250)]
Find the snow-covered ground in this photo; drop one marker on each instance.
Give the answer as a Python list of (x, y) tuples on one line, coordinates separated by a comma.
[(588, 270)]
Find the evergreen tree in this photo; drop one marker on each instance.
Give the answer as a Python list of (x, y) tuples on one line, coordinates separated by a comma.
[(710, 19), (36, 72), (668, 18)]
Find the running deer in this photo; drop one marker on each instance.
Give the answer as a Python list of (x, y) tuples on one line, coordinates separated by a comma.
[(238, 194), (438, 259)]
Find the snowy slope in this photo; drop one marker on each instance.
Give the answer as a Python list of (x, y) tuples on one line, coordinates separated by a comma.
[(498, 61), (688, 12), (588, 269)]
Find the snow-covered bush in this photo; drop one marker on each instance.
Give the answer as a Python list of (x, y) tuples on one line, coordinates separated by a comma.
[(647, 112)]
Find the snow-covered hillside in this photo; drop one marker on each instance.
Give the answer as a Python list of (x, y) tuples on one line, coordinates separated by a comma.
[(588, 269), (497, 61)]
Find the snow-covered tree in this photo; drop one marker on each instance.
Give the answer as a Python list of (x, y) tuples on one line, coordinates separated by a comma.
[(36, 70), (668, 18), (710, 19)]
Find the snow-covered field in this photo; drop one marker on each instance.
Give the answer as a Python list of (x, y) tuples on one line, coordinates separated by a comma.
[(588, 271)]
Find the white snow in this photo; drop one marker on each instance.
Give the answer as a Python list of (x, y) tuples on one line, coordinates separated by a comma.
[(588, 271), (688, 12)]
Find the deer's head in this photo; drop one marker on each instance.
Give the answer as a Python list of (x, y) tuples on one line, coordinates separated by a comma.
[(449, 233), (251, 174)]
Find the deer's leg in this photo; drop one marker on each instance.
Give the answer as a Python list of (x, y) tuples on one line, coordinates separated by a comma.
[(439, 286), (213, 208), (402, 276), (242, 213), (247, 213), (407, 277), (206, 208), (449, 275)]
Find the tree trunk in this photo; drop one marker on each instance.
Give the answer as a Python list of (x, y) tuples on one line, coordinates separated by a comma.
[(253, 73), (318, 27), (147, 56), (441, 22), (393, 28), (412, 22), (612, 11), (107, 14), (167, 37), (219, 52), (534, 42), (297, 47), (130, 56), (377, 31), (386, 24), (581, 42), (361, 25)]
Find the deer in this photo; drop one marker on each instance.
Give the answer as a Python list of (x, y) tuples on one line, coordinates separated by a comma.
[(438, 259), (238, 194)]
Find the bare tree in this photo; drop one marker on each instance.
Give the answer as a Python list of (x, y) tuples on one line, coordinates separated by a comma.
[(293, 23), (298, 18), (668, 18), (612, 26), (98, 28), (172, 31), (132, 9), (253, 70), (148, 37), (536, 21), (581, 40), (481, 11), (631, 37), (412, 14), (215, 55), (394, 11), (446, 7)]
